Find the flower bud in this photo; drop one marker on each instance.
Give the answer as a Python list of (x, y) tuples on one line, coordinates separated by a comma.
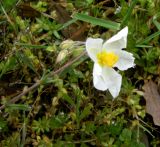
[(67, 44), (62, 54)]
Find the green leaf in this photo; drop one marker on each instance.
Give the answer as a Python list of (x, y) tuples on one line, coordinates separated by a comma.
[(58, 121), (97, 21), (125, 135), (18, 107), (86, 111), (146, 40), (67, 24), (41, 125), (137, 144), (68, 99), (84, 145), (32, 46), (115, 129), (144, 46), (90, 127), (8, 65), (3, 125), (8, 4), (23, 57), (128, 14), (157, 24), (155, 18)]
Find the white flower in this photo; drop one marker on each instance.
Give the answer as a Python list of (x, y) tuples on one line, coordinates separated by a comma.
[(106, 56)]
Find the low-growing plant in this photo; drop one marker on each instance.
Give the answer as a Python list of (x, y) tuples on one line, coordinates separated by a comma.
[(51, 92)]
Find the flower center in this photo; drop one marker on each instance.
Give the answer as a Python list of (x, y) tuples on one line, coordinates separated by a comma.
[(107, 58)]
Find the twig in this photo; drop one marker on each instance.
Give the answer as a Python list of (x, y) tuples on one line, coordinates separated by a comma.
[(82, 141), (38, 83)]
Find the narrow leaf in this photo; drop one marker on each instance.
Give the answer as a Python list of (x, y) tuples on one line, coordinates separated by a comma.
[(86, 111), (97, 21), (26, 60), (8, 65), (68, 99), (19, 107), (146, 40), (157, 24), (8, 4), (129, 12), (67, 24), (32, 46), (144, 46)]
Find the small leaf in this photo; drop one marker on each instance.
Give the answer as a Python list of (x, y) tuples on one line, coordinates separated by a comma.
[(90, 127), (25, 59), (155, 20), (58, 121), (137, 144), (115, 128), (9, 64), (68, 99), (3, 125), (19, 107), (152, 98), (126, 135), (86, 111)]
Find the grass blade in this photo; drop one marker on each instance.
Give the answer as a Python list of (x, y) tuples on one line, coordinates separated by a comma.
[(156, 23), (146, 40), (143, 46), (8, 4), (128, 14), (67, 24), (31, 45), (97, 21), (23, 107)]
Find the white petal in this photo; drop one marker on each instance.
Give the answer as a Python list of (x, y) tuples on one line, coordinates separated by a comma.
[(126, 60), (106, 78), (98, 80), (93, 46), (113, 80), (118, 41)]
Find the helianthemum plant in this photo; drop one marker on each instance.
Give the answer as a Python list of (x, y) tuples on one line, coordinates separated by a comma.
[(106, 56)]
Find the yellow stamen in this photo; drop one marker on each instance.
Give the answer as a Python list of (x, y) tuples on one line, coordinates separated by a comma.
[(107, 58)]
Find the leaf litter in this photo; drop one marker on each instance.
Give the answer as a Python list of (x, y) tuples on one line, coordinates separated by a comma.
[(152, 98)]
